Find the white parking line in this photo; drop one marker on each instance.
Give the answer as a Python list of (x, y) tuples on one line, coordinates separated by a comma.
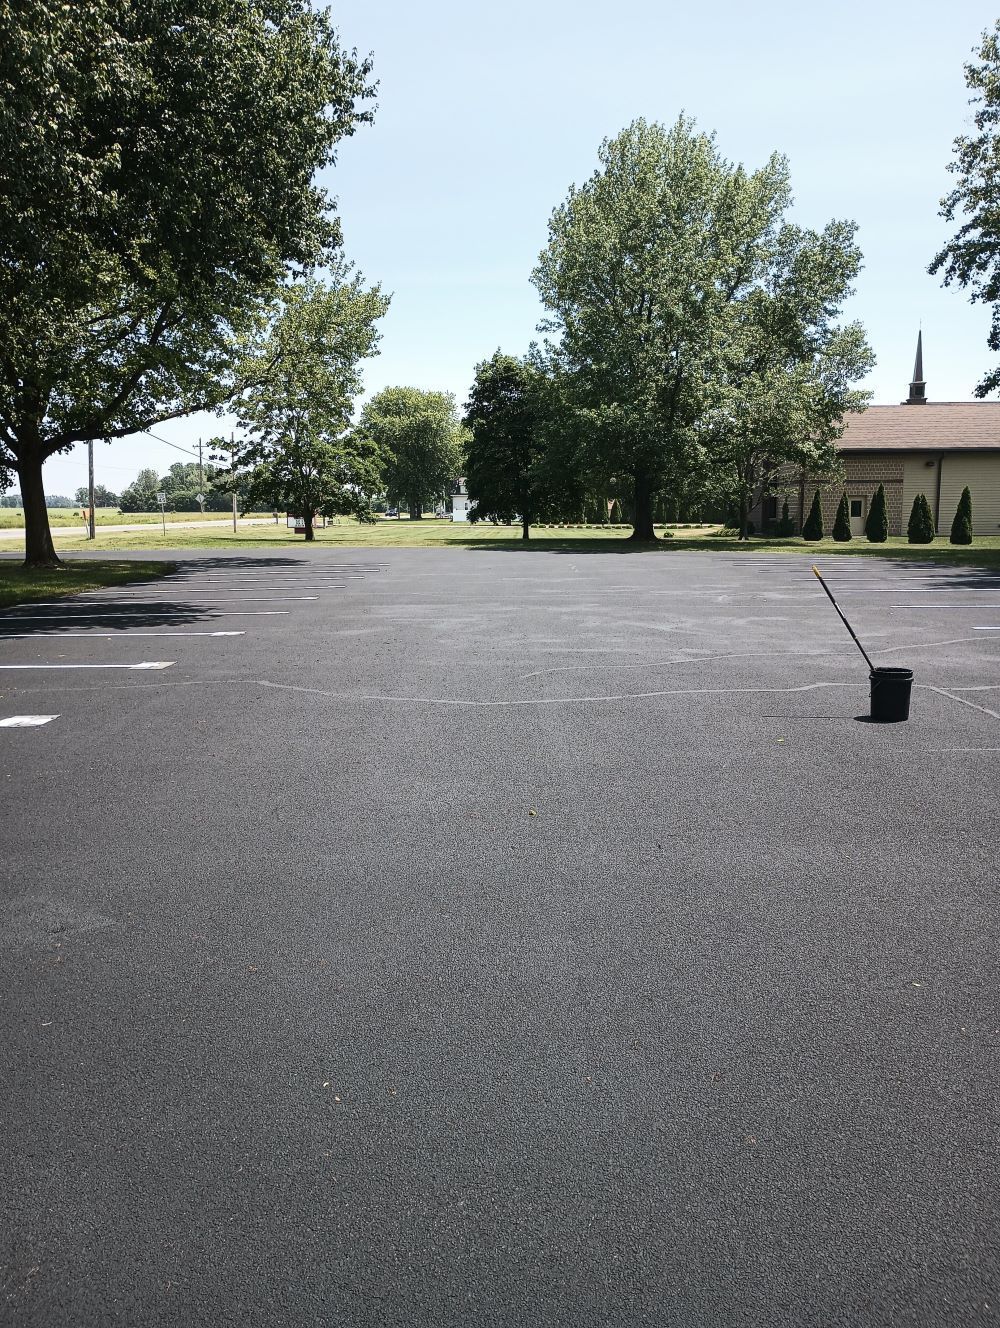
[(932, 608), (146, 664), (986, 629), (145, 613), (100, 636), (26, 721)]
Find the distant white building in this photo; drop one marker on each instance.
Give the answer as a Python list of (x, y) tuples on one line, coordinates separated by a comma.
[(460, 505)]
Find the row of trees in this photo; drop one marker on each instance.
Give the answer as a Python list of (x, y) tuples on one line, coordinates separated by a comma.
[(919, 529)]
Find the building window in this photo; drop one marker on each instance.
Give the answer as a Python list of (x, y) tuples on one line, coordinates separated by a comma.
[(857, 507)]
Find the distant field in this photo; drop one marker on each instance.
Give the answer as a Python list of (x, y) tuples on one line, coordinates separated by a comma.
[(11, 518), (430, 532)]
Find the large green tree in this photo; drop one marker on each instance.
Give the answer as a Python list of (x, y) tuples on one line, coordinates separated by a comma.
[(785, 367), (156, 186), (660, 275), (506, 452), (643, 264), (419, 434), (299, 451), (972, 258)]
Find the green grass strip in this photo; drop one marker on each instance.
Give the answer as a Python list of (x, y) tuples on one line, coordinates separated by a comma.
[(20, 585)]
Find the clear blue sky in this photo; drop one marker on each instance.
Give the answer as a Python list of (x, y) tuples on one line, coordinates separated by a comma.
[(487, 113)]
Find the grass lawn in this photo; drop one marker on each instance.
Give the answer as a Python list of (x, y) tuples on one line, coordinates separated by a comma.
[(19, 585), (984, 552)]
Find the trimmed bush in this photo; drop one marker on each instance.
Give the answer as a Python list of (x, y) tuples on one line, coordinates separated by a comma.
[(786, 526), (813, 528), (961, 527), (877, 525), (920, 527), (842, 522)]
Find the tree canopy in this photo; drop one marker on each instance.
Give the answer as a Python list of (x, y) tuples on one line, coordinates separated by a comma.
[(157, 185), (419, 435), (971, 259), (299, 452), (505, 454), (660, 273)]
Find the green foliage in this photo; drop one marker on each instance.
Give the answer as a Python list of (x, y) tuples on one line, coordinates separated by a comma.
[(786, 524), (971, 259), (420, 439), (813, 527), (156, 188), (300, 454), (696, 326), (505, 454), (877, 523), (842, 521), (961, 527), (920, 527), (140, 495), (102, 497)]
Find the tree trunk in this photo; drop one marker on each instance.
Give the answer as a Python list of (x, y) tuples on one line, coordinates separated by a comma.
[(39, 551), (744, 516), (307, 519), (416, 510), (642, 520), (524, 528)]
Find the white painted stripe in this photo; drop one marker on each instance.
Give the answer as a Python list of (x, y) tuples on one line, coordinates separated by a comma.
[(146, 664), (26, 721), (84, 616), (100, 636), (931, 608), (986, 629)]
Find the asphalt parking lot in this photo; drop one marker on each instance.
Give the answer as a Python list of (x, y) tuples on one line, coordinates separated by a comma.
[(466, 937)]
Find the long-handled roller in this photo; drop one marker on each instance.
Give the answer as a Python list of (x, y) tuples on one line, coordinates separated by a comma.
[(871, 666), (890, 687)]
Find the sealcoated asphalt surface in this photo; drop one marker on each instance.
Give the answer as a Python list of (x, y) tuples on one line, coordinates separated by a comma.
[(500, 938)]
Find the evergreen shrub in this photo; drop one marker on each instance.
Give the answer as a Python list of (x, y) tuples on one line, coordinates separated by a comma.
[(961, 527), (920, 527), (842, 522), (786, 525), (877, 525), (813, 528)]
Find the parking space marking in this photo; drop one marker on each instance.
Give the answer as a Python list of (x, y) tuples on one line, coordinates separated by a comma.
[(100, 636), (26, 721), (142, 613), (146, 664), (932, 608)]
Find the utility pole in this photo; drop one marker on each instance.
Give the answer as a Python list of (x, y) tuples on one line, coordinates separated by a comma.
[(232, 463), (91, 532), (201, 479)]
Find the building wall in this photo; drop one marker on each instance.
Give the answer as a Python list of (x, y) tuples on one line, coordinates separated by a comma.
[(919, 476), (981, 472)]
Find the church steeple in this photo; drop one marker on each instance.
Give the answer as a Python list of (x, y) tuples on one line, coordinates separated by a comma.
[(918, 387)]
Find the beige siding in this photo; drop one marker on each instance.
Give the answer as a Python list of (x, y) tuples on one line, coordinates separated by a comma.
[(918, 477), (981, 472)]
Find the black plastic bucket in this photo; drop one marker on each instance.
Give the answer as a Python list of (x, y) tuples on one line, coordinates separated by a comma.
[(891, 695)]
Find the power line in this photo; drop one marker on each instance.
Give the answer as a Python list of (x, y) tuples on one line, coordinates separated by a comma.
[(176, 446)]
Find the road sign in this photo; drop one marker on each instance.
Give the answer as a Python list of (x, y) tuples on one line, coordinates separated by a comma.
[(199, 497), (161, 498)]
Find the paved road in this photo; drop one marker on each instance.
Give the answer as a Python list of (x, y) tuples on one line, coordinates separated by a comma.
[(500, 938)]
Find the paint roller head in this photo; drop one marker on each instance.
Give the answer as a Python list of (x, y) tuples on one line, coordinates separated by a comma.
[(816, 572)]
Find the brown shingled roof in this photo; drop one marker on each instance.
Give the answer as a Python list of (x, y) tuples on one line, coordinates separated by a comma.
[(938, 426)]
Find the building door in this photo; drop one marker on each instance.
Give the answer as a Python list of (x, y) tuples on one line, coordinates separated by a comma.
[(857, 510)]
